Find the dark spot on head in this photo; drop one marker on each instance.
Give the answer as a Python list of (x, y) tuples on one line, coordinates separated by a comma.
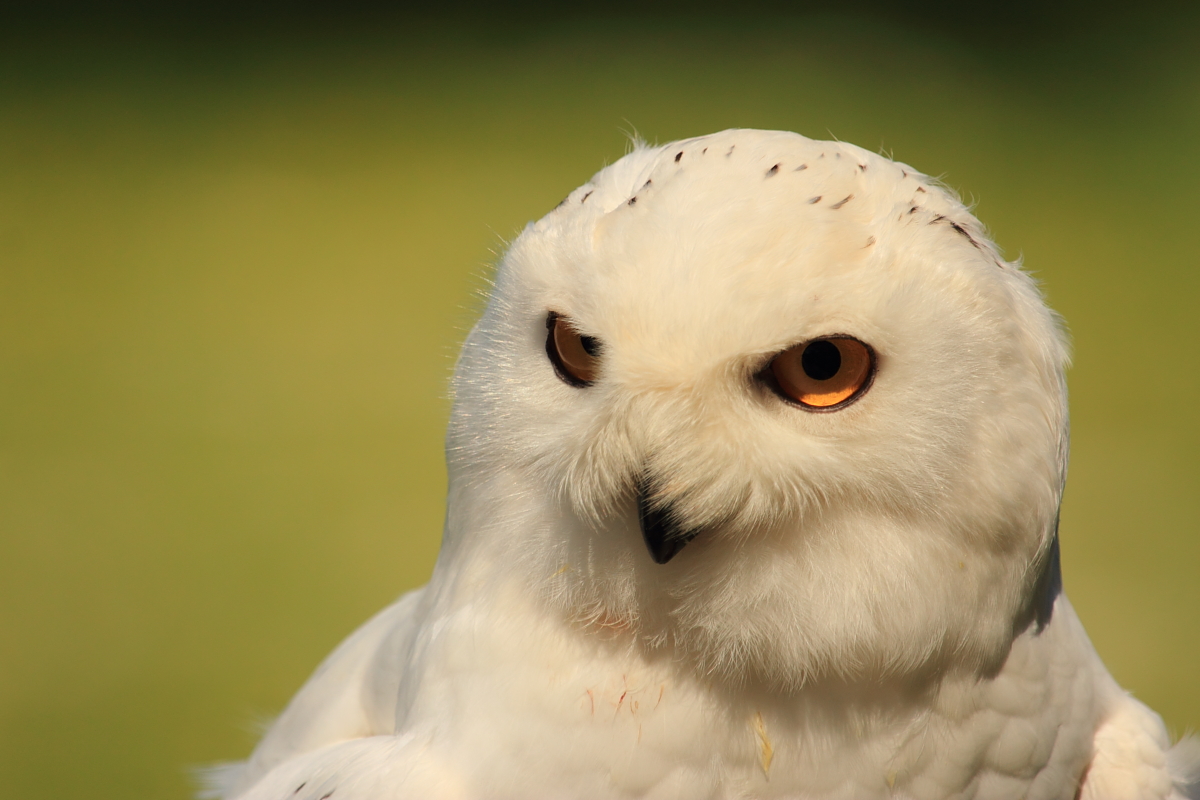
[(586, 196), (816, 199), (937, 219), (963, 231), (772, 170), (301, 786), (705, 150), (802, 166), (870, 241), (328, 794), (632, 200), (837, 155), (920, 188), (843, 201), (727, 155), (678, 156), (862, 167), (913, 210), (644, 185), (903, 173)]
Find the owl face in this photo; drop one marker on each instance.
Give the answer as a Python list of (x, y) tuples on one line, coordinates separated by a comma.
[(771, 406)]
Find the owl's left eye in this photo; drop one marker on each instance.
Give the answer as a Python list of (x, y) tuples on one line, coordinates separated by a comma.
[(824, 374), (576, 358)]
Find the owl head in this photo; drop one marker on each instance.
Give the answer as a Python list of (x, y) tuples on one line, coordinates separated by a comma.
[(775, 408)]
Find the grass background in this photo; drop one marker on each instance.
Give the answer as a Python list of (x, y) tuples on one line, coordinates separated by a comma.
[(237, 258)]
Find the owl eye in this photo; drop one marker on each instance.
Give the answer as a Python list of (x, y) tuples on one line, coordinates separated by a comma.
[(576, 358), (824, 374)]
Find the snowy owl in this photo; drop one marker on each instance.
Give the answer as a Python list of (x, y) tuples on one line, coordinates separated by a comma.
[(755, 462)]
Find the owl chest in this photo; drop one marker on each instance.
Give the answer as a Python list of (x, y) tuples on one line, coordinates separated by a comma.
[(578, 722)]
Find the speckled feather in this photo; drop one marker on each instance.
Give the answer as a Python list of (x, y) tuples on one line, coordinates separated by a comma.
[(871, 605)]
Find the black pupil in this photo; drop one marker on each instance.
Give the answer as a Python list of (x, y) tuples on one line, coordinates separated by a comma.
[(590, 345), (820, 360)]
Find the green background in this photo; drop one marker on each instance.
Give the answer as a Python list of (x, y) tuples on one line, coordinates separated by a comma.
[(236, 263)]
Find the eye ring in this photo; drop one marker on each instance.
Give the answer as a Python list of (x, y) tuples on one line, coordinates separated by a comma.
[(823, 374), (575, 357)]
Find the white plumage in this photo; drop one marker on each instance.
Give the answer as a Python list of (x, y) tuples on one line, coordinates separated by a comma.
[(859, 593)]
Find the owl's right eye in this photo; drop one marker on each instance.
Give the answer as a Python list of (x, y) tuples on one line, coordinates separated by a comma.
[(576, 358)]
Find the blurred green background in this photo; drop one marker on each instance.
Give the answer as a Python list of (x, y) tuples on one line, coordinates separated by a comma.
[(237, 258)]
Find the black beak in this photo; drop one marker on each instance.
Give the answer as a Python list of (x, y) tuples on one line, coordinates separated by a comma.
[(660, 528)]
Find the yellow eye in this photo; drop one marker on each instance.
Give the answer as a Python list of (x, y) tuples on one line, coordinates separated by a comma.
[(824, 374), (576, 358)]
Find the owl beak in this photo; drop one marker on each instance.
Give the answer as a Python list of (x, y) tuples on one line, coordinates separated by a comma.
[(660, 527)]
